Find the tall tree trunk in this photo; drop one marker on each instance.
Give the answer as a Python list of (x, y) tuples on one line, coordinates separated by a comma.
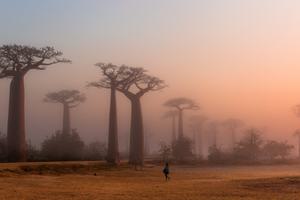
[(200, 143), (66, 119), (173, 130), (299, 146), (233, 138), (136, 152), (214, 138), (16, 142), (195, 142), (180, 124), (113, 146)]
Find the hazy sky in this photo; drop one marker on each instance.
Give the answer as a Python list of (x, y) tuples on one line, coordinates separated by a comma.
[(237, 58)]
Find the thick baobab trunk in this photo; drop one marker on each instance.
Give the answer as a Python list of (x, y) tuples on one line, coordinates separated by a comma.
[(299, 147), (16, 142), (173, 130), (180, 124), (200, 144), (214, 138), (66, 129), (136, 152), (113, 146), (233, 138), (195, 144)]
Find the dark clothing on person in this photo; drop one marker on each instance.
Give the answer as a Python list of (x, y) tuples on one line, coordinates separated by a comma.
[(166, 171)]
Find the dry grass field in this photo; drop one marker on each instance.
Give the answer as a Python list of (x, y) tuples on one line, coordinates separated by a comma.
[(91, 180)]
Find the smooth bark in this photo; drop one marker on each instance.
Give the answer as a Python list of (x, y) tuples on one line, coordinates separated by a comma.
[(113, 146), (299, 146), (66, 119), (16, 142), (136, 152), (180, 124), (200, 143), (173, 129)]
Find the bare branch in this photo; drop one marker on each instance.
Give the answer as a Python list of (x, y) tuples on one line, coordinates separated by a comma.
[(19, 59)]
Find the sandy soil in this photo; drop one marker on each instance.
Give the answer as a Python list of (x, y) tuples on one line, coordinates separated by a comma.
[(90, 180)]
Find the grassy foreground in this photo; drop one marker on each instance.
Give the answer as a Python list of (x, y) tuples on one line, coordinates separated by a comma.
[(90, 180)]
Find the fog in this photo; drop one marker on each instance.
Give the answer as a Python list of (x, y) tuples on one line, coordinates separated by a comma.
[(219, 61)]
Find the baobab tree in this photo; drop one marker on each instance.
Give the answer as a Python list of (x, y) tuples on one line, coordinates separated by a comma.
[(113, 76), (296, 110), (196, 123), (134, 88), (181, 104), (15, 62), (297, 134), (172, 114), (213, 128), (68, 99), (232, 125)]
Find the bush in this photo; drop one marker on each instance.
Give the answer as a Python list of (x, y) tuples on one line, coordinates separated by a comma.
[(182, 149), (63, 146), (33, 154), (250, 147), (217, 156), (95, 151), (165, 151), (273, 150)]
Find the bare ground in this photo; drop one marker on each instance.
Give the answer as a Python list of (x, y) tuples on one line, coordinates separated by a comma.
[(93, 180)]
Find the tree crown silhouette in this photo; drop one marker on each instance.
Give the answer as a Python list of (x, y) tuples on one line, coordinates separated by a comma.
[(70, 97), (19, 59), (182, 103)]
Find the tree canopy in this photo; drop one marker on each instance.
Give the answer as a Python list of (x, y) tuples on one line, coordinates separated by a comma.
[(19, 59)]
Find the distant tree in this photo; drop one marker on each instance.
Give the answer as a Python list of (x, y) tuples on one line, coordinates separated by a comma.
[(134, 88), (250, 147), (172, 114), (165, 151), (95, 151), (181, 104), (68, 99), (273, 150), (112, 77), (182, 149), (297, 134), (197, 122), (232, 125), (15, 62), (213, 129), (63, 146)]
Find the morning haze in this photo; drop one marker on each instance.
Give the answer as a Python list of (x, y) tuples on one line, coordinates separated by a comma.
[(223, 64), (149, 99)]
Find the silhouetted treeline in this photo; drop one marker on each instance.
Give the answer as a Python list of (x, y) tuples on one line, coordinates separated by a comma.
[(251, 149), (60, 146)]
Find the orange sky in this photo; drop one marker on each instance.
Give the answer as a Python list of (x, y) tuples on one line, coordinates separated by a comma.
[(237, 59)]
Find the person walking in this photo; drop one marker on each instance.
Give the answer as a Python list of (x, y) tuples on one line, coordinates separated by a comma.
[(166, 171)]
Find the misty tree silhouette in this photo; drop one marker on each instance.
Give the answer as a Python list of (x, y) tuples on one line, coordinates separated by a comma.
[(181, 104), (15, 62), (232, 125), (213, 128), (196, 123), (172, 114), (297, 134), (69, 99), (113, 77), (296, 110), (134, 88)]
